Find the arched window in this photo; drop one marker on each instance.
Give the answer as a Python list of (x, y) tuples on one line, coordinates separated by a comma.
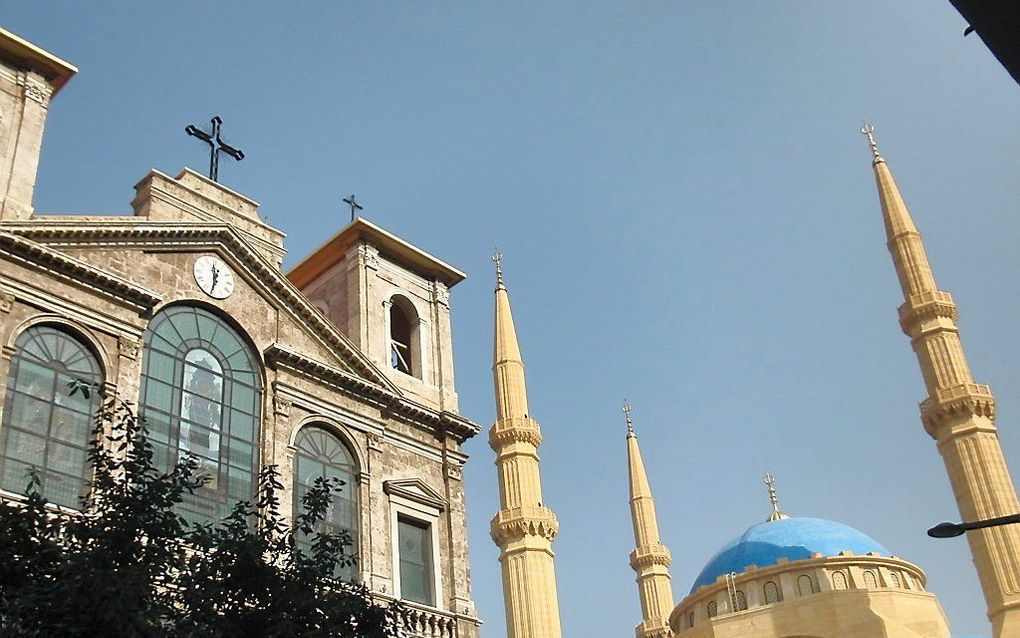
[(894, 579), (201, 395), (321, 455), (772, 594), (839, 580), (740, 601), (869, 579), (713, 609), (805, 586), (917, 583), (44, 427), (405, 354), (690, 619)]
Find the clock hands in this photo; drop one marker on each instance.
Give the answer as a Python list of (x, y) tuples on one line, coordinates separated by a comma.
[(215, 276)]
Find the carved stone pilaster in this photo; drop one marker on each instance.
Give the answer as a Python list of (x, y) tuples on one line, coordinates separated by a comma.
[(35, 89), (375, 442), (370, 256), (128, 347), (441, 293), (6, 302), (453, 470), (281, 405)]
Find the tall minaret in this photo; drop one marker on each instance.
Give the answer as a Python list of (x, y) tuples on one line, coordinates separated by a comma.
[(958, 413), (650, 559), (523, 528)]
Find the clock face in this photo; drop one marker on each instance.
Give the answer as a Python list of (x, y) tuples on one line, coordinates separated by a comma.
[(214, 277)]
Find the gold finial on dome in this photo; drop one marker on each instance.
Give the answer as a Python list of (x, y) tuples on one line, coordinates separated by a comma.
[(497, 258), (770, 483), (869, 131), (630, 423)]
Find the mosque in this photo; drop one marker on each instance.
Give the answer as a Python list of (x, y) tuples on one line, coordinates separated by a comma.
[(343, 367)]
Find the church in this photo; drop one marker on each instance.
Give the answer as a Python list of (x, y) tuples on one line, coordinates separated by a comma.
[(343, 367)]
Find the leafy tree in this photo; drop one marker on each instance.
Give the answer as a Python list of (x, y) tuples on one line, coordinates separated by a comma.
[(128, 565)]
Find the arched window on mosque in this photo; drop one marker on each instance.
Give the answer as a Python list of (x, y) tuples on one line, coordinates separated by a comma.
[(894, 579), (869, 579), (805, 585), (320, 454), (772, 594), (713, 609), (917, 583), (44, 427), (839, 580), (201, 396), (740, 601), (405, 351), (690, 619)]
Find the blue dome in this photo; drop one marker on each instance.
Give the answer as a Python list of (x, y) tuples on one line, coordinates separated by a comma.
[(791, 538)]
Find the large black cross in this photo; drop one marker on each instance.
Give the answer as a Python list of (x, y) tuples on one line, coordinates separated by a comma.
[(355, 206), (215, 146)]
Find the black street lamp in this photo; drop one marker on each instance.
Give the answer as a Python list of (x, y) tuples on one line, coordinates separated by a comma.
[(949, 530)]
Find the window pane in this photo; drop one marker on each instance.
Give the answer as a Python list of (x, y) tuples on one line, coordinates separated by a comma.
[(188, 380), (415, 550), (44, 426)]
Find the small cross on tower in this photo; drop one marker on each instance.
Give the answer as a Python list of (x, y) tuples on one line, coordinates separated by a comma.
[(355, 206), (215, 146)]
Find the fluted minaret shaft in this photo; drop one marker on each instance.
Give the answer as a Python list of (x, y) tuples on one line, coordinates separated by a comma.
[(524, 528), (958, 413), (650, 559)]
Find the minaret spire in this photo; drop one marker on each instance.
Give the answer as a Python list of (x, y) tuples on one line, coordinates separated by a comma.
[(770, 484), (958, 413), (524, 528), (650, 559)]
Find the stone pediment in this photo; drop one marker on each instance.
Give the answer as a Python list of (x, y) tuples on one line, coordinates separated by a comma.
[(48, 240), (416, 490)]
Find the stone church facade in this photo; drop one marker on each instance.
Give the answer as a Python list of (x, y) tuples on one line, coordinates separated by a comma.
[(342, 367)]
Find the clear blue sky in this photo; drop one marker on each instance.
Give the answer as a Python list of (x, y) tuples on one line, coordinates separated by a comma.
[(688, 216)]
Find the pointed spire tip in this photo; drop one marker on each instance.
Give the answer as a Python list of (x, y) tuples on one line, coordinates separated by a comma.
[(630, 423), (777, 514)]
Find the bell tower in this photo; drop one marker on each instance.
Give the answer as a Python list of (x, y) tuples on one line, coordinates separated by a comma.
[(392, 300), (29, 78)]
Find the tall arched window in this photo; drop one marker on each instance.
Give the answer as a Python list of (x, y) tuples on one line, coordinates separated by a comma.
[(894, 579), (839, 580), (320, 454), (405, 353), (805, 586), (869, 579), (43, 425), (772, 594), (201, 395), (713, 609)]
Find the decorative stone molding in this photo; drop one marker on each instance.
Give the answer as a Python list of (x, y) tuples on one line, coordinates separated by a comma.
[(281, 406), (926, 306), (6, 301), (956, 402), (514, 524), (128, 347), (415, 490), (648, 555), (441, 293), (514, 430)]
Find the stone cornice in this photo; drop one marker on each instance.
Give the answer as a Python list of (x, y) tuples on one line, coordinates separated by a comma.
[(957, 402), (34, 255), (514, 524), (387, 400), (170, 235)]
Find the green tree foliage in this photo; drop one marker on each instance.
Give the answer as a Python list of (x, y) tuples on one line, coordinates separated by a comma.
[(127, 565)]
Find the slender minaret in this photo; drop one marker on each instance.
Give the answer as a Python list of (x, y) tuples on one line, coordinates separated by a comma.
[(523, 528), (650, 559), (958, 413)]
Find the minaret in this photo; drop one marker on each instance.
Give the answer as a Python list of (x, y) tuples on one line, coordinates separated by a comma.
[(523, 528), (650, 559), (958, 413)]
